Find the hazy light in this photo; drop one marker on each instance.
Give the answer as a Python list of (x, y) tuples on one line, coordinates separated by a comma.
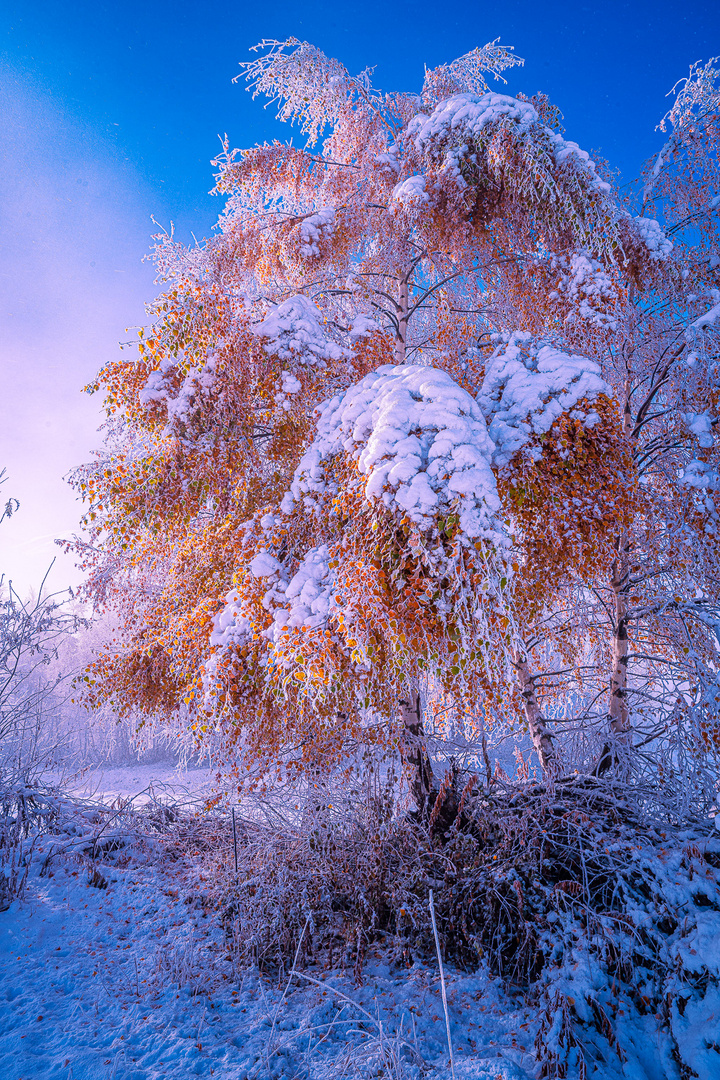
[(75, 225)]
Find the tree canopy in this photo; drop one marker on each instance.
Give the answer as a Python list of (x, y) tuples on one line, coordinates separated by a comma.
[(433, 413)]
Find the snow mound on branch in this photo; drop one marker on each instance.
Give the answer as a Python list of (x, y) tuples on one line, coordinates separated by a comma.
[(362, 327), (421, 443), (294, 330), (464, 118), (528, 387), (303, 601), (289, 386), (230, 624), (310, 592), (469, 114), (587, 287), (653, 237), (313, 230), (700, 475), (701, 425), (711, 316), (411, 192)]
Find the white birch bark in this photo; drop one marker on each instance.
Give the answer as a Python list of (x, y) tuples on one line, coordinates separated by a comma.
[(541, 737), (414, 752), (402, 321)]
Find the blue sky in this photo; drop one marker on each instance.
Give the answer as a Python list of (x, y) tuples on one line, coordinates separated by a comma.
[(110, 114)]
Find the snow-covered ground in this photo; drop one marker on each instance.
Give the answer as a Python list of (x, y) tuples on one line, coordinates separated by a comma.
[(114, 965), (132, 980)]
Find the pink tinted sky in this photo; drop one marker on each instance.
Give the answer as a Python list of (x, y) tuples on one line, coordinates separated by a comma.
[(75, 224)]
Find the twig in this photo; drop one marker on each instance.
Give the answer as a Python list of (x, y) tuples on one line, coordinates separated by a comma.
[(442, 984)]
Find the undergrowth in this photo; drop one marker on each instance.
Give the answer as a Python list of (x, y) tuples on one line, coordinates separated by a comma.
[(590, 910)]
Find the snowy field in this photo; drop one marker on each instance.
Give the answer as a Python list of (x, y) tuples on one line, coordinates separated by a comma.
[(125, 976), (141, 783)]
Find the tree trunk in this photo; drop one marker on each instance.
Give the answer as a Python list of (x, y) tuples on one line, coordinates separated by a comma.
[(414, 752), (618, 712), (402, 321), (541, 737)]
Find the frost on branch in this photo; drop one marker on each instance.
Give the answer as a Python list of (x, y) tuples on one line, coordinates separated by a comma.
[(309, 87), (469, 72), (420, 444), (527, 387)]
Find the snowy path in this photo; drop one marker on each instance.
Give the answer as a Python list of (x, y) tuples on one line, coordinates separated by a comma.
[(132, 982)]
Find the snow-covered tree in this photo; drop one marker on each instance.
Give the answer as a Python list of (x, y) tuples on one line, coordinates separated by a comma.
[(430, 419)]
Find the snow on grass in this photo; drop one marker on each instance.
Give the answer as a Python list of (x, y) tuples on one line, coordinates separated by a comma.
[(115, 965), (130, 978)]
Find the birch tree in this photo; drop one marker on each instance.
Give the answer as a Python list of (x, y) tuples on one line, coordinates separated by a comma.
[(412, 431)]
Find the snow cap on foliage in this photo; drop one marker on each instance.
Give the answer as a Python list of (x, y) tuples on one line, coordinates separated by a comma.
[(468, 114), (527, 387), (655, 240), (290, 386), (310, 592), (711, 316), (464, 118), (700, 475), (362, 327), (705, 480), (411, 192), (312, 229), (701, 425), (230, 625), (303, 601), (180, 401), (586, 285), (421, 443), (294, 330)]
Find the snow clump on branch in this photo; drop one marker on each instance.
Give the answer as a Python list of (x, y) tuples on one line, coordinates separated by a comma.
[(311, 592), (527, 387), (421, 444), (314, 228), (182, 401), (655, 240), (294, 330), (465, 118), (588, 288)]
